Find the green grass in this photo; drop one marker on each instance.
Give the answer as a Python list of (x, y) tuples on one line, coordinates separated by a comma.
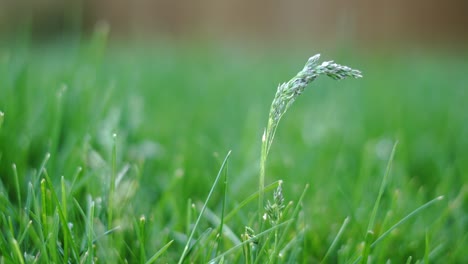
[(177, 110)]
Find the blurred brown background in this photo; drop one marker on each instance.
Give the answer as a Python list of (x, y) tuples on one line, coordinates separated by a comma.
[(363, 21)]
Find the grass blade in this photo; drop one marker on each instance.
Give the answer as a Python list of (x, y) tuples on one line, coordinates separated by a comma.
[(17, 185), (159, 253), (223, 208), (370, 228), (17, 251), (382, 188), (406, 218), (187, 245), (402, 221), (335, 241), (112, 183)]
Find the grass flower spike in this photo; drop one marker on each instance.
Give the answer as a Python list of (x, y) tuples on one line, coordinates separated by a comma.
[(287, 94), (274, 210)]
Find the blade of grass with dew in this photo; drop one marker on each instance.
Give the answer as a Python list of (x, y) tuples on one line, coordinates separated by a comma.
[(285, 96), (186, 248)]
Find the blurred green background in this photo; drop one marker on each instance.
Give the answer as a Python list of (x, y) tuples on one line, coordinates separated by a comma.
[(181, 83), (336, 23)]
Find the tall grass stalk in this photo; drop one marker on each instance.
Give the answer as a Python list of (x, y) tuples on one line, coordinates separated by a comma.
[(285, 96)]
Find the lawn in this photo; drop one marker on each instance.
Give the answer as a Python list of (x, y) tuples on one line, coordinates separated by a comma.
[(108, 152)]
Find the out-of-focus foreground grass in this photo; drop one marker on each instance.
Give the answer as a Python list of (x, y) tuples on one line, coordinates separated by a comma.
[(177, 109)]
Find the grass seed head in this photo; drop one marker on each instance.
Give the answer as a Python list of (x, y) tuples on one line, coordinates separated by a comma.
[(274, 211), (287, 92)]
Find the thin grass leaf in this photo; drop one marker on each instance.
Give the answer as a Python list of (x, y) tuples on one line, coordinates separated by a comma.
[(335, 241), (427, 249), (382, 188), (406, 218), (65, 213), (186, 248), (17, 185), (402, 221), (90, 232), (141, 231), (110, 207), (25, 232), (42, 168), (189, 215), (223, 208), (370, 228), (17, 251), (159, 252)]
